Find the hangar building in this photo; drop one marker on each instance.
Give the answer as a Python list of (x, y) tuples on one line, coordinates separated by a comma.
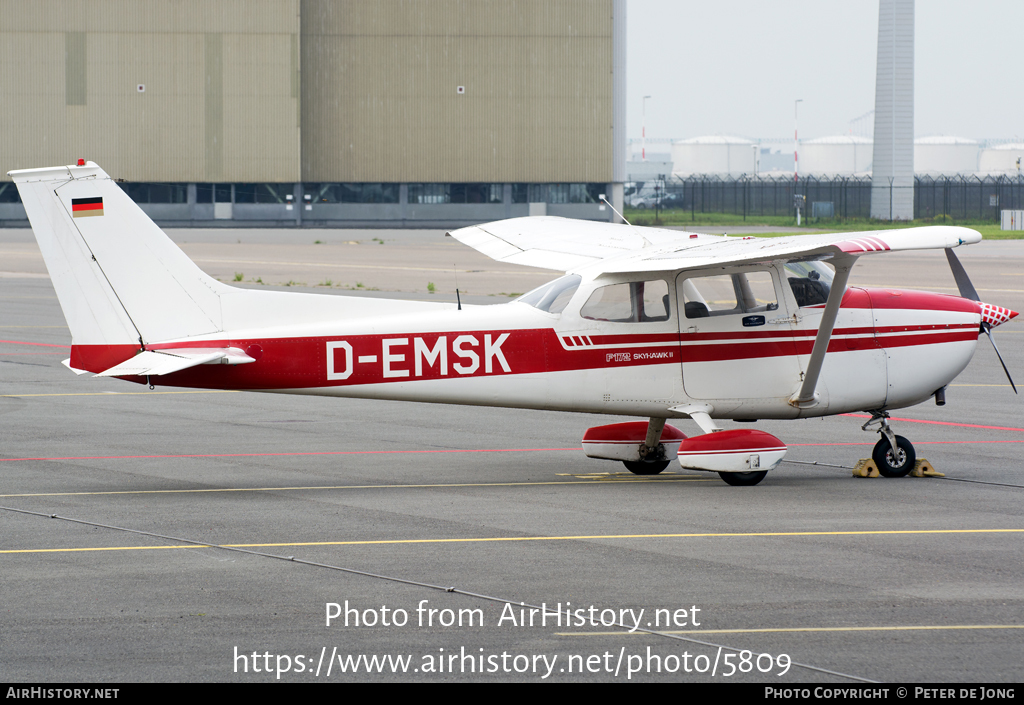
[(322, 112)]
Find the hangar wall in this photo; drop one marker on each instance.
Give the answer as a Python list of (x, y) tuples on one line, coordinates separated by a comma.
[(220, 100), (381, 96), (327, 112), (372, 85)]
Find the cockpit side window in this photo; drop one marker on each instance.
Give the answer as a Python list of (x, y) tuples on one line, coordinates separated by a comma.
[(811, 282), (726, 294), (554, 296), (629, 302)]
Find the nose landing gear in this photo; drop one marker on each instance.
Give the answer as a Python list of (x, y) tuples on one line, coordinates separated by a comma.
[(894, 455)]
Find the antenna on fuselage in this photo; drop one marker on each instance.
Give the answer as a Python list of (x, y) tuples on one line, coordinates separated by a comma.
[(458, 299)]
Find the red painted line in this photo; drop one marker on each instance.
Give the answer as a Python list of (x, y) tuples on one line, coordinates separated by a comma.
[(45, 345), (916, 443), (6, 354), (274, 455), (941, 423)]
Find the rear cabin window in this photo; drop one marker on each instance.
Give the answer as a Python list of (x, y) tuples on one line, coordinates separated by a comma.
[(629, 302), (553, 296), (727, 294)]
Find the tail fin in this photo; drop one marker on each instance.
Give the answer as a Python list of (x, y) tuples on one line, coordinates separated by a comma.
[(119, 279)]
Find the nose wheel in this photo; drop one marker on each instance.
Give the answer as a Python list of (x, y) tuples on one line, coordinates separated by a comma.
[(893, 455), (894, 464)]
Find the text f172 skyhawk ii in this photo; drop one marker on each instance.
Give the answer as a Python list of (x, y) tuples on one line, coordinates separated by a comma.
[(650, 323)]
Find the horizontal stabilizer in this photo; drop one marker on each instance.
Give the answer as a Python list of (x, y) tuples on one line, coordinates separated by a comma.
[(67, 363), (164, 362)]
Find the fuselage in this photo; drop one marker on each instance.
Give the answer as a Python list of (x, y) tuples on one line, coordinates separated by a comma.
[(889, 349)]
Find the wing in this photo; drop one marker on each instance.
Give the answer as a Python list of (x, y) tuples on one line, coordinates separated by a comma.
[(723, 251), (568, 245), (561, 244)]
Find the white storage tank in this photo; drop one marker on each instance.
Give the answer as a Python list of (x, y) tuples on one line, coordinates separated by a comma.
[(945, 154), (714, 154), (836, 155), (1001, 159)]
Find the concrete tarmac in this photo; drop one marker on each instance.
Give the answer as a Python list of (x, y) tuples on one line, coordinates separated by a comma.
[(897, 580)]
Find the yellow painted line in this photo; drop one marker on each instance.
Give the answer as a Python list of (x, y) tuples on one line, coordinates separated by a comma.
[(586, 481), (123, 394), (511, 539), (802, 629)]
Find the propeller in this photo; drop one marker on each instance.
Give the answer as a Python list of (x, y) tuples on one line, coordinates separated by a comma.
[(991, 316)]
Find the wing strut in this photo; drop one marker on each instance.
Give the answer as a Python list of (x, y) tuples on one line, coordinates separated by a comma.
[(806, 395)]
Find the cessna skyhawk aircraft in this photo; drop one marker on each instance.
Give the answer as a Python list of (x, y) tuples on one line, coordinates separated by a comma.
[(644, 322)]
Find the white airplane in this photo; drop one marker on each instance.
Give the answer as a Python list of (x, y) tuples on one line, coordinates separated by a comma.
[(650, 323)]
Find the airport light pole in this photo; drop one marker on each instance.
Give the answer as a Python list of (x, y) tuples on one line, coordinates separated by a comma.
[(796, 142), (796, 153), (643, 131)]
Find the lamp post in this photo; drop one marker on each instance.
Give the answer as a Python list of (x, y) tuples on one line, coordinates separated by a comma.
[(796, 152), (643, 132), (796, 142)]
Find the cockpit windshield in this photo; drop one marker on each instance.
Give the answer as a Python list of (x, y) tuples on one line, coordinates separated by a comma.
[(553, 296), (810, 281)]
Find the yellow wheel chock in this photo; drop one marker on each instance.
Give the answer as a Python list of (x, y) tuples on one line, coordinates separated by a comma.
[(865, 468), (922, 468)]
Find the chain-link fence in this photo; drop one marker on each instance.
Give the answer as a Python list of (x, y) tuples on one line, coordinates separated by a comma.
[(961, 197), (967, 197)]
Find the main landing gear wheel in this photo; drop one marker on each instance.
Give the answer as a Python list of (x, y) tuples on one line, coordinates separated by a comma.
[(642, 467), (894, 465), (743, 479)]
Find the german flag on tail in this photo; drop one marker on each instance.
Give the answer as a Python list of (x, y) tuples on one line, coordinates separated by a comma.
[(86, 207)]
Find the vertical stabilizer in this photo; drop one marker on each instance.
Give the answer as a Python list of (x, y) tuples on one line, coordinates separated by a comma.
[(119, 279)]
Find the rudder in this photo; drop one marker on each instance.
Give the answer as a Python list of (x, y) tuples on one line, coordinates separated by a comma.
[(120, 280)]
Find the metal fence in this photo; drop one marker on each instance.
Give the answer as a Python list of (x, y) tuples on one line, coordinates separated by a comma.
[(960, 197)]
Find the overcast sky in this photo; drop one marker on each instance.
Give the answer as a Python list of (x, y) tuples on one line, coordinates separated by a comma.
[(735, 67)]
